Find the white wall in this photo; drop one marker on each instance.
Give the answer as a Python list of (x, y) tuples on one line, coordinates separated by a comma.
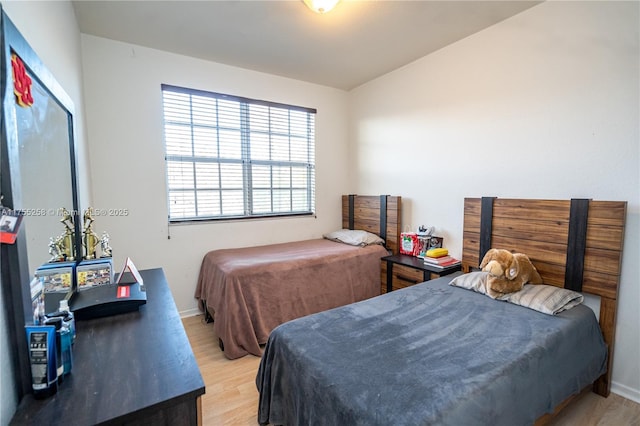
[(124, 118), (52, 31), (542, 105)]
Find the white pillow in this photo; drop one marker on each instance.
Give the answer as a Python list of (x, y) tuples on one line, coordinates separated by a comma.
[(354, 237)]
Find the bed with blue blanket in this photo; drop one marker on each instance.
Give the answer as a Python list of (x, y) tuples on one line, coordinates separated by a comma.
[(436, 354)]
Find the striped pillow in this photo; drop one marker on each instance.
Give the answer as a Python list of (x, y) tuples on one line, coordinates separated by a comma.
[(475, 281), (545, 298)]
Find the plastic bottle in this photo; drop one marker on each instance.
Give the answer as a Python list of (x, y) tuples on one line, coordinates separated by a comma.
[(67, 353), (57, 323), (44, 378), (69, 318)]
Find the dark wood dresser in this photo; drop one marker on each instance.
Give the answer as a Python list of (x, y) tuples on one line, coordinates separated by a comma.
[(135, 368)]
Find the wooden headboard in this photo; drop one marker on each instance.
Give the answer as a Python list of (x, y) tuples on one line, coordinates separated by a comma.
[(574, 244), (379, 215)]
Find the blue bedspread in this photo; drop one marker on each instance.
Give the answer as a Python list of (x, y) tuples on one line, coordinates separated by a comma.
[(430, 354)]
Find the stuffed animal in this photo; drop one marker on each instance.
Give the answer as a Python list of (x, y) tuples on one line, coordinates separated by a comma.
[(508, 272)]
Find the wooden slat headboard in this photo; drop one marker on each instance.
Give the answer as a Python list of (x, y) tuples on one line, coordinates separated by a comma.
[(541, 229), (370, 212)]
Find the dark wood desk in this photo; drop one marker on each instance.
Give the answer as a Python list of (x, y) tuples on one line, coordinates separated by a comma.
[(415, 263), (129, 369)]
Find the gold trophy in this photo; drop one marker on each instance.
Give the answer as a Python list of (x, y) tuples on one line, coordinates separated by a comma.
[(66, 239), (89, 238)]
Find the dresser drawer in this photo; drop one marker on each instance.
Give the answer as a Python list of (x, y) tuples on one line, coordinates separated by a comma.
[(403, 276)]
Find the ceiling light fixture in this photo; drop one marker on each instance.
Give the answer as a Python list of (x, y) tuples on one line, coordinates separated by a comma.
[(321, 6)]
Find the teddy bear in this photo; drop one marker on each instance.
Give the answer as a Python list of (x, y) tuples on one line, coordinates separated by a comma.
[(508, 272)]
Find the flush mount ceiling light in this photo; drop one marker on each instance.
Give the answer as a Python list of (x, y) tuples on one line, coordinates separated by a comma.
[(321, 6)]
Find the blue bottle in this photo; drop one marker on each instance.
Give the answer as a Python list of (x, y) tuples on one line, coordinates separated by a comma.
[(57, 323), (66, 340), (63, 343)]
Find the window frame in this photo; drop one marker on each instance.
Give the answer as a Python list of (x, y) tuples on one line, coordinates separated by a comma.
[(246, 161)]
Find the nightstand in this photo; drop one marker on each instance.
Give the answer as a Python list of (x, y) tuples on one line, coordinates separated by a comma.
[(411, 270)]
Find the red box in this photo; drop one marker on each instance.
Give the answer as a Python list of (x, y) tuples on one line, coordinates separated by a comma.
[(409, 244)]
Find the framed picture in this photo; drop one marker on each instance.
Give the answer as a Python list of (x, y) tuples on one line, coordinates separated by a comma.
[(427, 243), (94, 273), (37, 301), (9, 226), (56, 277), (435, 242)]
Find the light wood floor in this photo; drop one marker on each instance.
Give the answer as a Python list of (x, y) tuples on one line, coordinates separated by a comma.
[(231, 397)]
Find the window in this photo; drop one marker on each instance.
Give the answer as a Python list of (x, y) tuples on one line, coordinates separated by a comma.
[(231, 157)]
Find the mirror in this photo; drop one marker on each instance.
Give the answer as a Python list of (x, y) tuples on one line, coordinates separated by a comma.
[(37, 176), (45, 172)]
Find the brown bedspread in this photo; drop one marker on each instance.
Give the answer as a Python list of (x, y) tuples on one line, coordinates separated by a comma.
[(250, 291)]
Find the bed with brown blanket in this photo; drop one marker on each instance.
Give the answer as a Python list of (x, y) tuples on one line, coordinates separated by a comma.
[(435, 353), (249, 291)]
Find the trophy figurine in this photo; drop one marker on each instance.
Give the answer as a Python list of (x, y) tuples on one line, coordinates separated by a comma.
[(56, 250), (104, 245), (89, 237)]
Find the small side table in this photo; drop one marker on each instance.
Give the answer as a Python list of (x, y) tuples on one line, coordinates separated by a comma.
[(416, 263)]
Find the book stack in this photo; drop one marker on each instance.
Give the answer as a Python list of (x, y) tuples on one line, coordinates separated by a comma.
[(439, 258)]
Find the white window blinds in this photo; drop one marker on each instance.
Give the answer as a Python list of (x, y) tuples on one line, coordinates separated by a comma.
[(232, 157)]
